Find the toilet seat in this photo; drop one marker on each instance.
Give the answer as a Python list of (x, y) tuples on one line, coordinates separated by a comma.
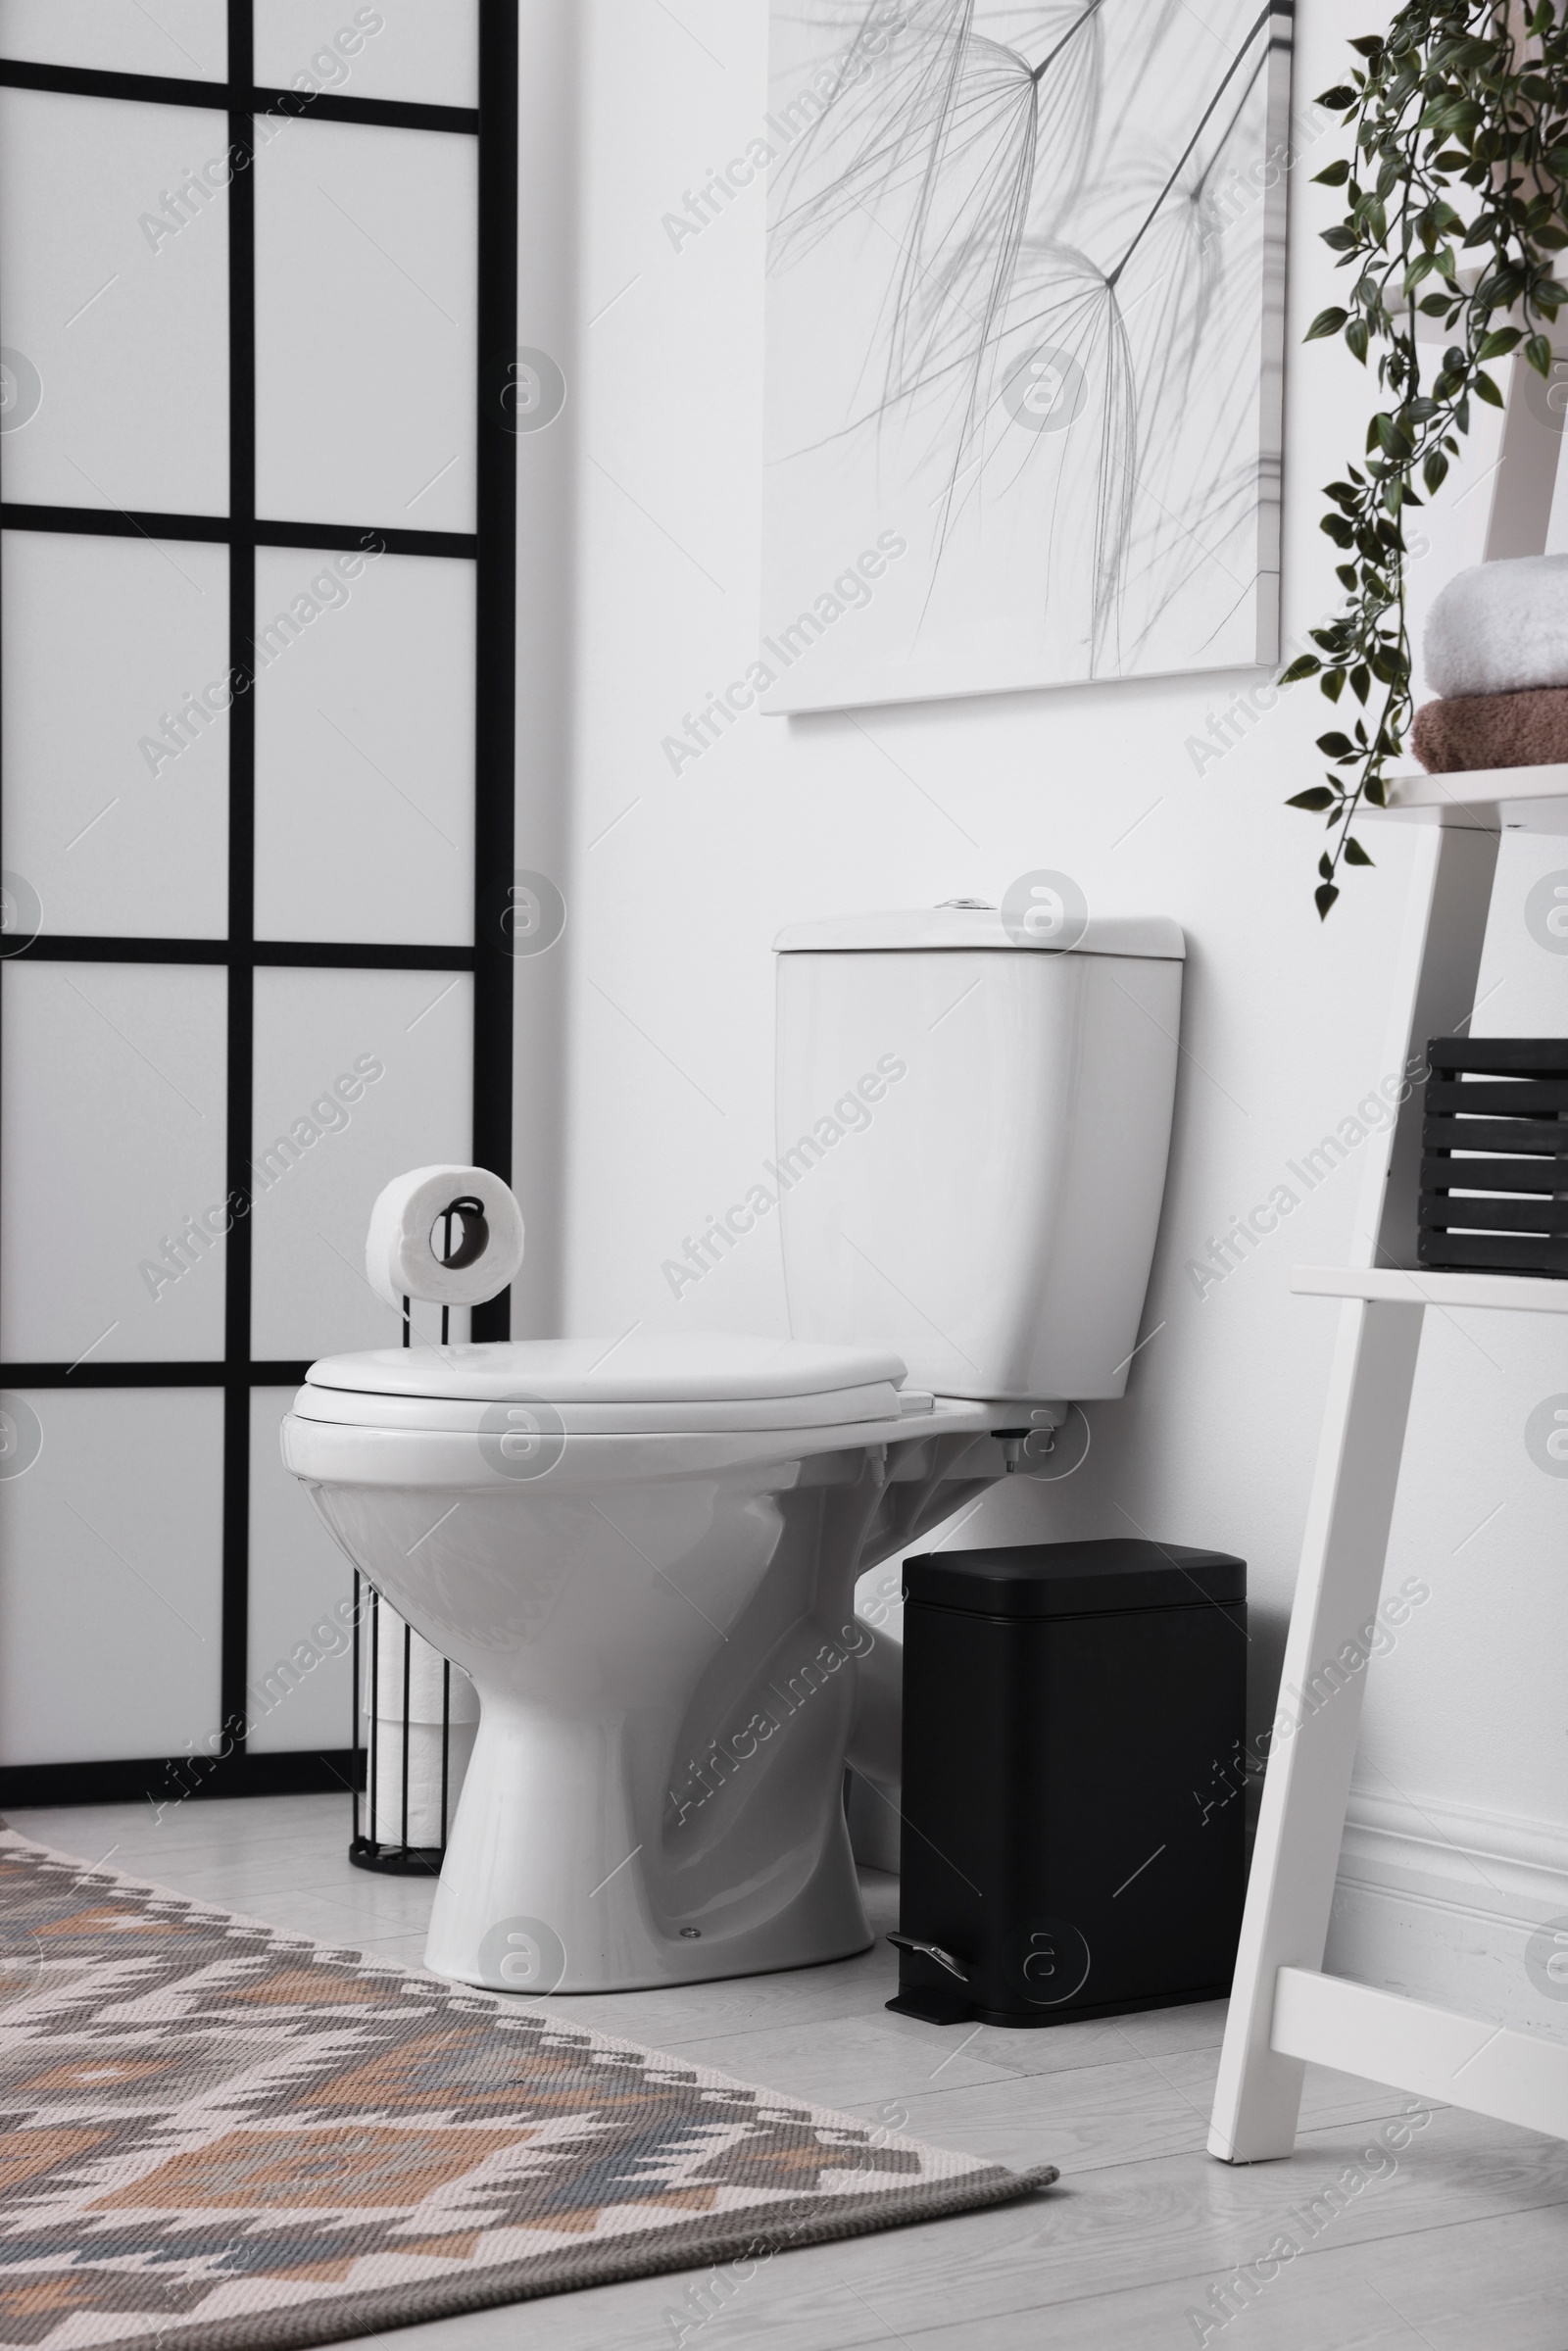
[(644, 1384)]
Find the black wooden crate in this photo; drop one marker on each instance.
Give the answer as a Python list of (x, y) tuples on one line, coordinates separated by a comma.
[(1496, 1125)]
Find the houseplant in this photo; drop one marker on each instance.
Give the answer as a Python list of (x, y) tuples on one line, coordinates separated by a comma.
[(1456, 201)]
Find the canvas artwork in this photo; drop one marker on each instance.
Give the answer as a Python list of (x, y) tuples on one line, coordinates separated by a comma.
[(1025, 292)]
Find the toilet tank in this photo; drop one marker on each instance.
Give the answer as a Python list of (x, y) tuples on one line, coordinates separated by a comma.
[(972, 1136)]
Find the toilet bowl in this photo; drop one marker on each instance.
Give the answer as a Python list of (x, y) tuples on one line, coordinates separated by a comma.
[(643, 1551), (646, 1563)]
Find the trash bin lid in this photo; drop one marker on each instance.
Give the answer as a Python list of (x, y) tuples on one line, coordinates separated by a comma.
[(1074, 1578)]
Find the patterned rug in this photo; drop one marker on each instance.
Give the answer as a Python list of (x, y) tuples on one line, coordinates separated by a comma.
[(213, 2134)]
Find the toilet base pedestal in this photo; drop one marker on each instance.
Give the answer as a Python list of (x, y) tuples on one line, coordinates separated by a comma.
[(563, 1875)]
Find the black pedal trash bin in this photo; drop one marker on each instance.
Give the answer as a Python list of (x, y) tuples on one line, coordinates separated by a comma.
[(1073, 1777)]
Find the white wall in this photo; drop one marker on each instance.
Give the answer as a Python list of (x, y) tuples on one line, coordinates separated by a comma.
[(677, 886), (548, 110)]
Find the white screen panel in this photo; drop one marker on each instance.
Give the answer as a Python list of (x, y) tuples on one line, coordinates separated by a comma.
[(366, 265), (313, 1191), (111, 1577), (111, 1109), (121, 322), (116, 759), (365, 749), (398, 49), (186, 39), (300, 1687)]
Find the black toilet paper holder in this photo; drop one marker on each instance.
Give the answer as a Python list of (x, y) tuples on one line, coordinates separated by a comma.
[(368, 1853)]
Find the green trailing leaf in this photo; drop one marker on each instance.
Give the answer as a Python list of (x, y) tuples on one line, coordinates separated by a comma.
[(1458, 120)]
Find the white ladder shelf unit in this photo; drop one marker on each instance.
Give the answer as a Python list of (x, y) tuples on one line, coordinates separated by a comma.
[(1284, 2009)]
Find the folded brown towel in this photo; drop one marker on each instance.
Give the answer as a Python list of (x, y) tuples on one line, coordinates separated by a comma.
[(1527, 729)]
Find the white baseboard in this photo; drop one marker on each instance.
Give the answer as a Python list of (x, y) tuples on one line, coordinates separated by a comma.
[(1440, 1901)]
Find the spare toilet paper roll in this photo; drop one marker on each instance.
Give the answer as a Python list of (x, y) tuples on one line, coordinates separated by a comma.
[(385, 1772), (1499, 627), (410, 1677), (408, 1234)]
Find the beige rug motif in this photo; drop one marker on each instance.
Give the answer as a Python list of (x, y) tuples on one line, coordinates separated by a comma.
[(215, 2137)]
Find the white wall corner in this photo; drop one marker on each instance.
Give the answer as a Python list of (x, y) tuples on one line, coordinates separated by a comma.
[(1440, 1901)]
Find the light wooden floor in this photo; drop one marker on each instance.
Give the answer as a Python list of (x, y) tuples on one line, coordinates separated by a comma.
[(1463, 2246)]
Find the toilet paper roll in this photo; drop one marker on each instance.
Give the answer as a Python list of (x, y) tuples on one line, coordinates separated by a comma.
[(384, 1818), (402, 1249), (426, 1680)]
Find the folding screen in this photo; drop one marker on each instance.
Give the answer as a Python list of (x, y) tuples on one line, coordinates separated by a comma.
[(258, 295)]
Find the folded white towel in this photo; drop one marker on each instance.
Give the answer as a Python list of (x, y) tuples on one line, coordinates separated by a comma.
[(1498, 627)]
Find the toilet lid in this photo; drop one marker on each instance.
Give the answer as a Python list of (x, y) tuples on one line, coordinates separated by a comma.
[(646, 1381)]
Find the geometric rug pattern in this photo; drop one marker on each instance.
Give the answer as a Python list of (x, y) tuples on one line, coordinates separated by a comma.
[(215, 2137)]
